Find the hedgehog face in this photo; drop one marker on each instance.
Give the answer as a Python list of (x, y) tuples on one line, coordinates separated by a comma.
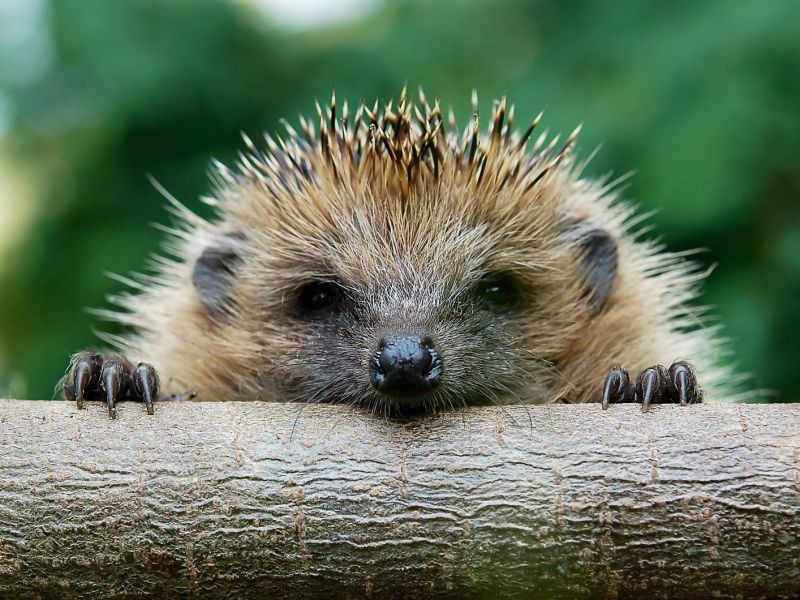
[(401, 267), (436, 331), (461, 317), (378, 310)]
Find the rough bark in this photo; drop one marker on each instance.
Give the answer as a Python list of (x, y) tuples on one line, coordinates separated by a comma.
[(240, 500)]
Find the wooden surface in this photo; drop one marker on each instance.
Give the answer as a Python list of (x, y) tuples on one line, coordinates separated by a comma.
[(251, 500)]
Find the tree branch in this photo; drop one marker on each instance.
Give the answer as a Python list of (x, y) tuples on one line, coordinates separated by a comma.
[(241, 500)]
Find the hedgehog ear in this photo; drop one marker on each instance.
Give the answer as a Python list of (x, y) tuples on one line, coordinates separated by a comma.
[(598, 265), (214, 272)]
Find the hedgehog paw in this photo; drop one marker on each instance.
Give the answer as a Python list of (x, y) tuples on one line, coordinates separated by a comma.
[(109, 377), (654, 385)]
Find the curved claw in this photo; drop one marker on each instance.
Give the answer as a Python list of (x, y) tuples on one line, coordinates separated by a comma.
[(681, 383), (82, 378), (146, 384), (83, 375), (684, 384), (111, 382), (651, 386), (648, 388), (617, 387)]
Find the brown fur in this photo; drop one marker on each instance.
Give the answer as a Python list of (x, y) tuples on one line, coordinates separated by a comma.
[(407, 213)]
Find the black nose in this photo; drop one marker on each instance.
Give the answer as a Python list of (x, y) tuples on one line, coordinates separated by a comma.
[(405, 366)]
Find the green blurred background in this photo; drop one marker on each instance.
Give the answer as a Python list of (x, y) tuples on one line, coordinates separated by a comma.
[(699, 98)]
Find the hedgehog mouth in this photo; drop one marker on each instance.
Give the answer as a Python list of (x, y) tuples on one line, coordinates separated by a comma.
[(427, 404), (412, 406), (414, 401), (417, 403)]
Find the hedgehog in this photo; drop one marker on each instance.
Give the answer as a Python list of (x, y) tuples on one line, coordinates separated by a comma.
[(394, 261)]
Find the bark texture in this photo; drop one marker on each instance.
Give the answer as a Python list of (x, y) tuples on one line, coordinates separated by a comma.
[(254, 500)]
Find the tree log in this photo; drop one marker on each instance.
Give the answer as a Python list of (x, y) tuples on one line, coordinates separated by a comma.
[(257, 500)]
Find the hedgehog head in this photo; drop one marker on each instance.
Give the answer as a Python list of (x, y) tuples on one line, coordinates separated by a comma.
[(395, 261)]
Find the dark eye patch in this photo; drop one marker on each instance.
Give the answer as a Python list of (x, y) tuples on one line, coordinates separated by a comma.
[(214, 273), (498, 292), (320, 299)]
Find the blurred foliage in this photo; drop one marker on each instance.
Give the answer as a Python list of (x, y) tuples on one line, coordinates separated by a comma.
[(699, 98)]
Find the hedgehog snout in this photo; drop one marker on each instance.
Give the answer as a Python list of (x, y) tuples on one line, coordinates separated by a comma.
[(405, 366)]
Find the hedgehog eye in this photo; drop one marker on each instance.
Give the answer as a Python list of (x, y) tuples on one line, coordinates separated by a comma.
[(497, 291), (319, 298)]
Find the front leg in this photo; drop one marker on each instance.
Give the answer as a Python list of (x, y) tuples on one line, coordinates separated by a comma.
[(654, 385), (109, 377)]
